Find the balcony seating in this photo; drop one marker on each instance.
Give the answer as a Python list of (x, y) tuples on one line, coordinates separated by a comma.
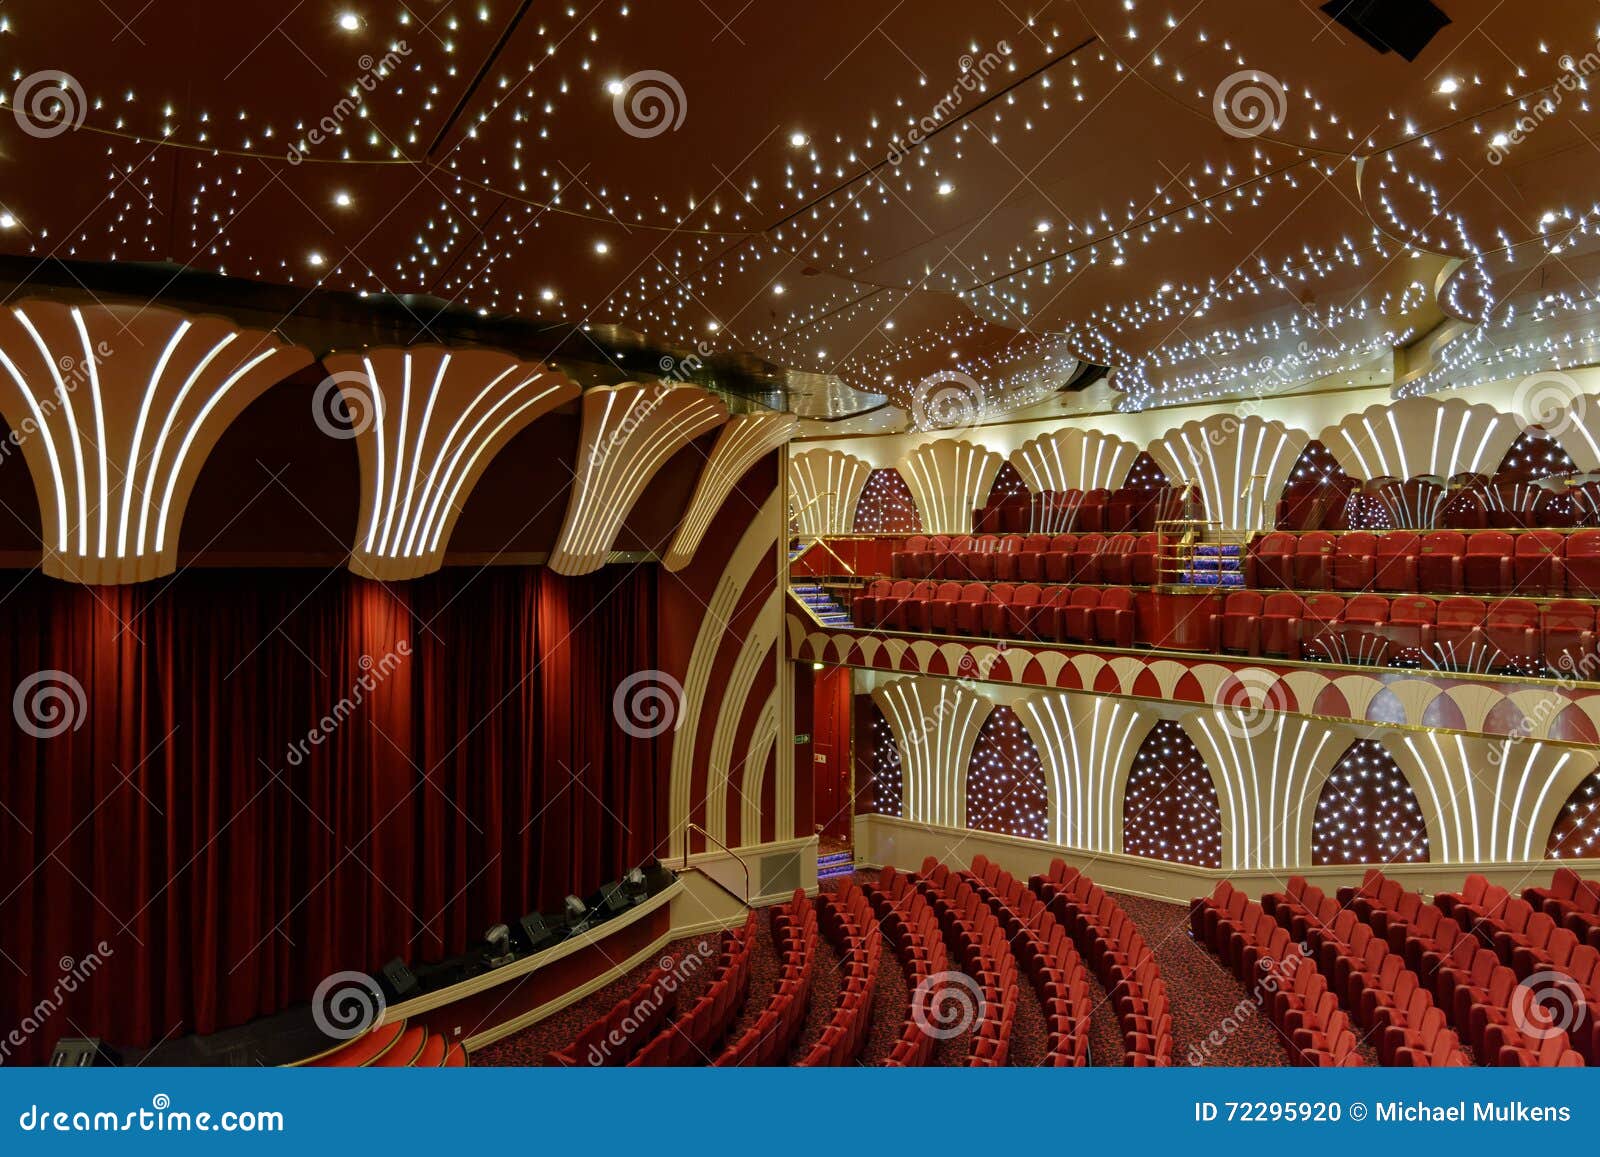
[(1360, 630), (1028, 564), (1395, 561), (1237, 630), (1058, 560), (1410, 630), (1312, 559), (1458, 638), (1319, 636), (1486, 566), (938, 614), (1086, 558), (1075, 623), (1280, 625), (1354, 561), (1091, 517), (1113, 618), (1439, 560), (1116, 560), (1536, 564), (1270, 562), (1144, 562), (1511, 629), (1569, 639), (1582, 563)]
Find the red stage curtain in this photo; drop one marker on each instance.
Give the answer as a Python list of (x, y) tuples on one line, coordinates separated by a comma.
[(271, 776)]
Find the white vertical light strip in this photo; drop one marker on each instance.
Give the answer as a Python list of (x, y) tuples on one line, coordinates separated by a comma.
[(399, 457), (103, 508), (72, 428), (435, 486), (147, 494), (194, 429), (151, 389), (378, 435), (1527, 821), (414, 477), (49, 448), (1355, 449), (482, 445)]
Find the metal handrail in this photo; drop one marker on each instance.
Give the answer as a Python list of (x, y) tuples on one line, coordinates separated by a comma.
[(692, 826), (818, 541)]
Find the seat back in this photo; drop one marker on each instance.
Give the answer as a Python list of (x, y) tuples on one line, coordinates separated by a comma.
[(1365, 609), (1462, 610), (1412, 609), (1242, 603), (1286, 605)]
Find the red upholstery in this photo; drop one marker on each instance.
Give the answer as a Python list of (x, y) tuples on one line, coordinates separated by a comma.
[(1238, 627), (1113, 618), (1359, 630), (1512, 631), (1458, 639), (1396, 561), (1029, 562), (1270, 562), (1312, 556), (1536, 567), (1439, 560), (1411, 628), (1144, 562), (1569, 639), (1076, 622), (1007, 551), (1086, 558), (1582, 563), (1486, 567), (910, 562), (938, 614), (1116, 560), (1319, 638), (1092, 512), (1354, 561), (1058, 559), (1280, 625)]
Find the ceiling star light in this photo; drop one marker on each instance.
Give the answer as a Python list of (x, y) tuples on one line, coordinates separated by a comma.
[(349, 21)]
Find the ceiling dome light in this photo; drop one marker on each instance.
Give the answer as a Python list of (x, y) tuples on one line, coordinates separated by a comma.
[(798, 139), (547, 295), (349, 21), (602, 248), (316, 259), (945, 188), (7, 221), (615, 87), (778, 289), (1448, 85), (342, 199)]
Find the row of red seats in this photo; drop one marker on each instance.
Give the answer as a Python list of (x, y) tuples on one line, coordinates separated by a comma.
[(913, 931), (1120, 957), (768, 1041), (1299, 1000), (1571, 901), (1468, 501), (1128, 508), (395, 1045), (1373, 977), (1302, 1004), (1035, 558), (1533, 562), (617, 1036), (1044, 614), (1051, 960), (985, 958), (691, 1037), (847, 920), (1515, 636)]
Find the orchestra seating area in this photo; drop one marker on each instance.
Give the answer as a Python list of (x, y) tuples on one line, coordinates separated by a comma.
[(1520, 603)]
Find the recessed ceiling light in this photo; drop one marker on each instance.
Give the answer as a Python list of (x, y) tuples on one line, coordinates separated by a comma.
[(614, 87), (1042, 227), (317, 259), (7, 221), (1449, 85), (778, 289), (349, 21), (888, 325), (946, 188), (547, 295), (602, 248), (713, 326), (1499, 140), (342, 199), (798, 139)]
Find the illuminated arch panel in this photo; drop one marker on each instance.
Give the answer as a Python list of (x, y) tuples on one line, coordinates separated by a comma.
[(1074, 459), (743, 442), (935, 724), (1170, 807), (629, 433), (1087, 744), (117, 408), (1239, 464), (886, 505), (1485, 800), (1421, 436), (950, 479), (824, 489), (428, 422), (1006, 789), (1367, 812), (1576, 832), (1264, 763)]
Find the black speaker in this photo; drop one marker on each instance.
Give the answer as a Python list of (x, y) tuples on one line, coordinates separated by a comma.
[(399, 979), (610, 900), (536, 934), (1406, 26), (81, 1052)]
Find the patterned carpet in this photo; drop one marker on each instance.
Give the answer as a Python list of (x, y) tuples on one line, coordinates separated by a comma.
[(1216, 1021)]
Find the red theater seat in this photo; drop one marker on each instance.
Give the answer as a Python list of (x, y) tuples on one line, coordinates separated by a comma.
[(1458, 639), (1536, 566), (1029, 563), (1396, 561), (1007, 552), (907, 612), (938, 614), (1511, 629), (1113, 618), (908, 563), (1238, 628), (1312, 558), (1280, 625), (1486, 567), (1092, 512), (1145, 561), (1116, 560), (1270, 562), (1022, 611), (1086, 558), (1360, 630), (1076, 620), (1582, 563), (1058, 559), (1354, 561), (1411, 620), (1319, 637), (865, 609), (950, 557), (996, 612), (1439, 559), (971, 613)]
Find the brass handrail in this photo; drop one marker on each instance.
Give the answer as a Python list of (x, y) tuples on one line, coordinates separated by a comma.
[(692, 826)]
